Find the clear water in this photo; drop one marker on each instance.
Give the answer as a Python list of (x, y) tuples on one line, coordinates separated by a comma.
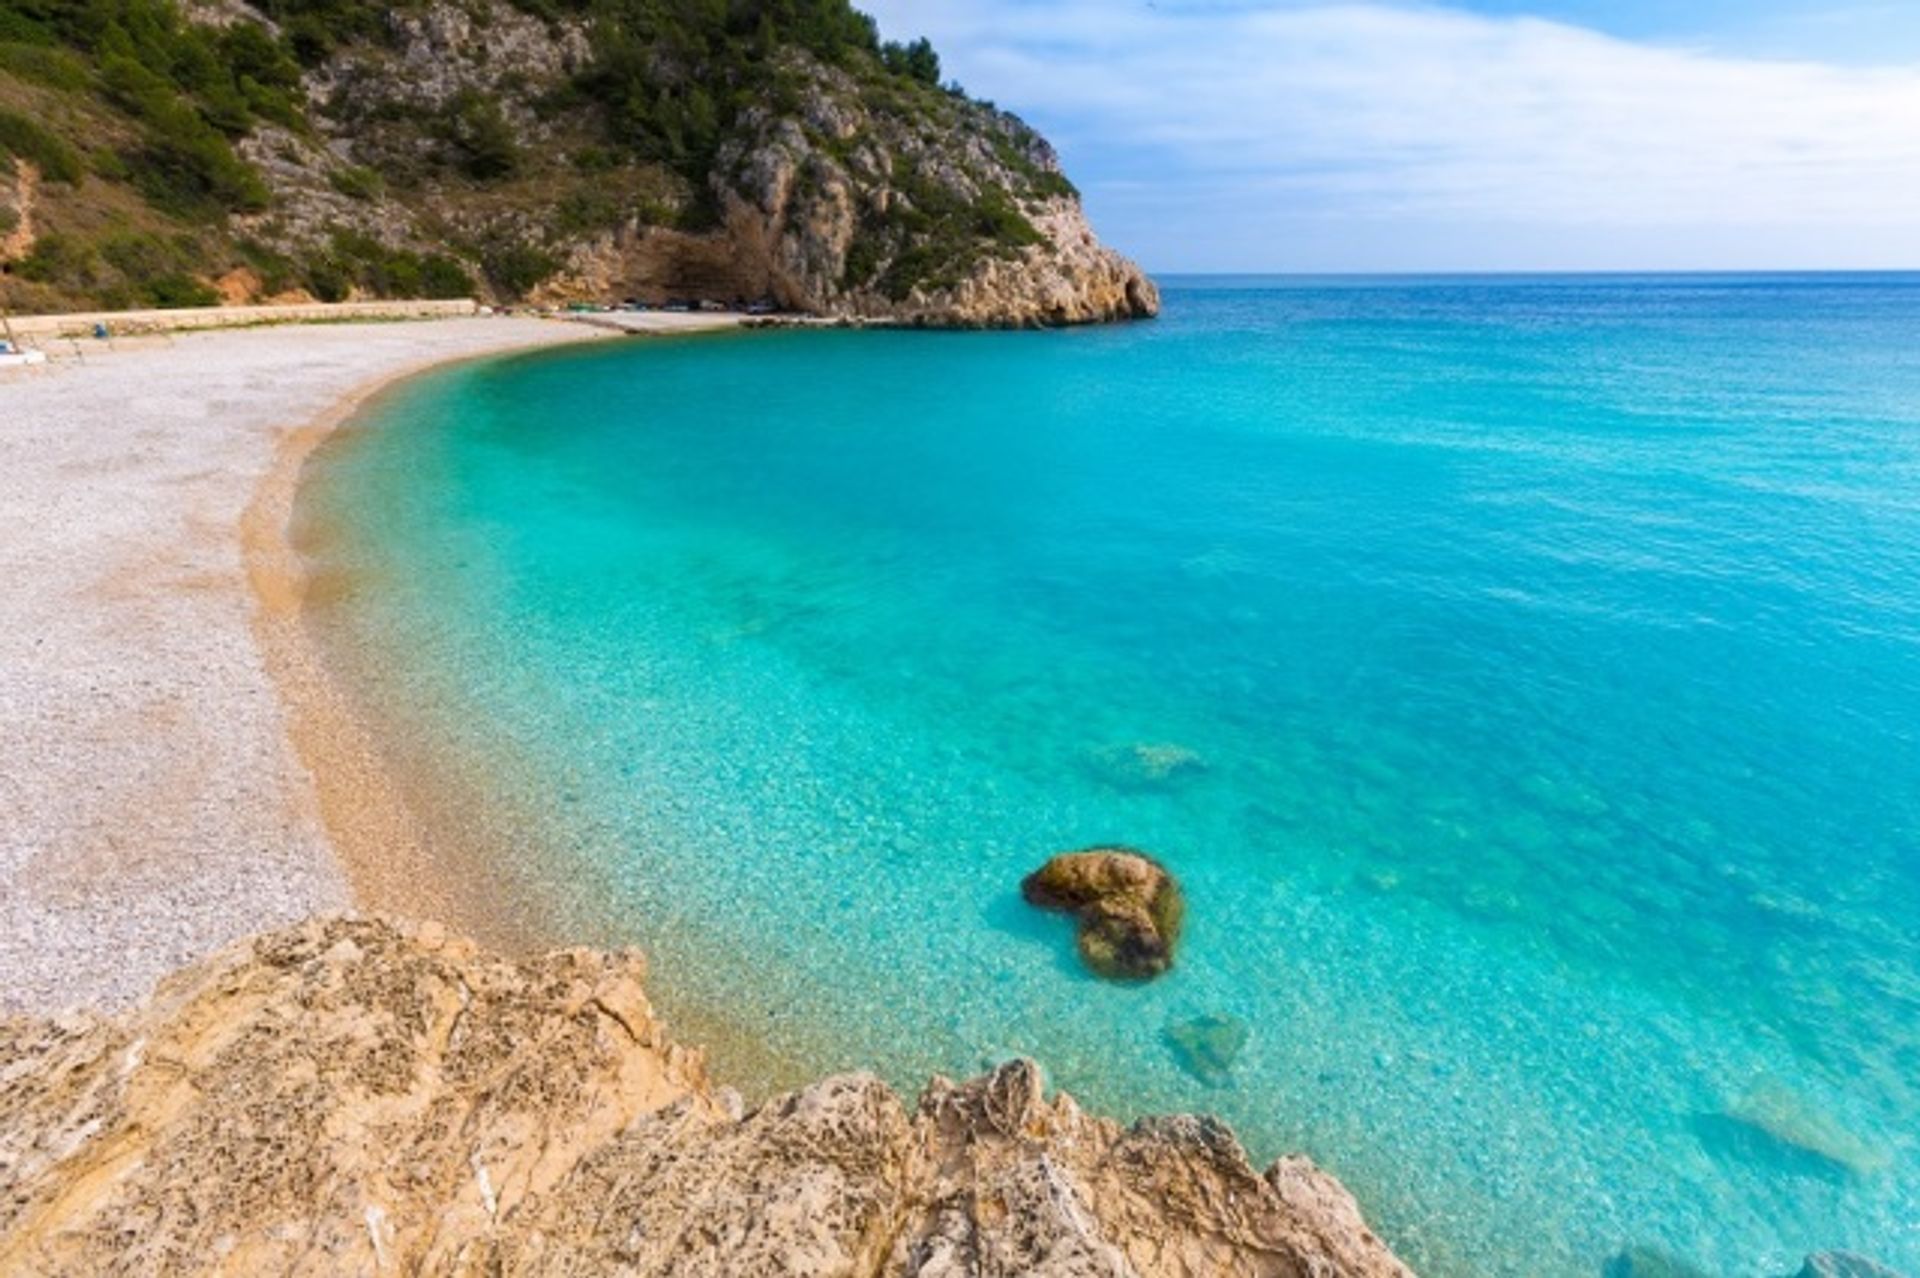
[(1549, 650)]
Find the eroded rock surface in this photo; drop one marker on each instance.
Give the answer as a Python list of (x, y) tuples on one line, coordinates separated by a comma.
[(1130, 908), (355, 1097)]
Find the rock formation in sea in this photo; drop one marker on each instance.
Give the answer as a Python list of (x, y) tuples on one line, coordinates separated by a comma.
[(1144, 765), (1129, 907), (352, 1096), (1208, 1046), (1843, 1264), (1647, 1262)]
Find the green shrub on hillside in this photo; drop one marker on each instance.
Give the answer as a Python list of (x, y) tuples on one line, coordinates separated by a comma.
[(176, 290), (479, 129), (65, 261), (929, 266), (30, 140), (516, 269), (357, 183), (142, 256), (45, 65), (264, 73), (864, 256), (442, 277), (328, 279), (1046, 183), (314, 28), (996, 220), (195, 175), (191, 87), (916, 61), (231, 73), (109, 164), (276, 270), (122, 268), (356, 259), (674, 75), (184, 165)]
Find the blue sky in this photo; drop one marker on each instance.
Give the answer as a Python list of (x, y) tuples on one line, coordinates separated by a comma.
[(1860, 31), (1384, 135)]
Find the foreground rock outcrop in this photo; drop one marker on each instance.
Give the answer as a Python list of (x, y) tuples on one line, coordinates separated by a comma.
[(354, 1097)]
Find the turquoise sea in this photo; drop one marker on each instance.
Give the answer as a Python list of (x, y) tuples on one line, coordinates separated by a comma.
[(1522, 674)]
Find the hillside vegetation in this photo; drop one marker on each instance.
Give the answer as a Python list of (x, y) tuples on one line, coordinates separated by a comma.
[(160, 153)]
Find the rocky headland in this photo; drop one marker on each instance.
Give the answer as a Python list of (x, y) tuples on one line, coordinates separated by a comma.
[(551, 151), (356, 1096)]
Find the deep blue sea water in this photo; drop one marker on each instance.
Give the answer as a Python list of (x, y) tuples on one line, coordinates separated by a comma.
[(1523, 676)]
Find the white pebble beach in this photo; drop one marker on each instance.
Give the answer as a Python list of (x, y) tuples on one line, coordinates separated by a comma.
[(152, 805)]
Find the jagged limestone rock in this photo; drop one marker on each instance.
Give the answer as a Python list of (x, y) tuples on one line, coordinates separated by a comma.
[(359, 1097)]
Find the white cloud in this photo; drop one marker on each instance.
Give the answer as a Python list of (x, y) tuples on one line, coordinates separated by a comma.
[(1430, 118)]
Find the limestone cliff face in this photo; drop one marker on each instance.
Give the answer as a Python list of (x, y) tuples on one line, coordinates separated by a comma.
[(834, 191), (854, 210), (557, 151), (351, 1097)]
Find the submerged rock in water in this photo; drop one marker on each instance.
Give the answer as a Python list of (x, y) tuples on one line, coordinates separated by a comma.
[(351, 1097), (1645, 1262), (1773, 1125), (1207, 1046), (1147, 766), (1843, 1264), (1130, 908)]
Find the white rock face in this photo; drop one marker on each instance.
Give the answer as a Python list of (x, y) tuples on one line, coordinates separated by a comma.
[(947, 213)]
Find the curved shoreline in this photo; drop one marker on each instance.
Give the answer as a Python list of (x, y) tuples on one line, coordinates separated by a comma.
[(380, 842), (411, 829), (405, 848), (157, 809)]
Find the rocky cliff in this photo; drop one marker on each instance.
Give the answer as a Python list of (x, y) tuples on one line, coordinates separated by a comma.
[(552, 150), (943, 212), (351, 1097)]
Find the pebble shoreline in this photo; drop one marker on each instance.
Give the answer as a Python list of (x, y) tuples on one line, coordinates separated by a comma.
[(152, 808)]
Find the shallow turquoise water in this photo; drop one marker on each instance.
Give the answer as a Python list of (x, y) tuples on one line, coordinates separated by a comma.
[(1550, 651)]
